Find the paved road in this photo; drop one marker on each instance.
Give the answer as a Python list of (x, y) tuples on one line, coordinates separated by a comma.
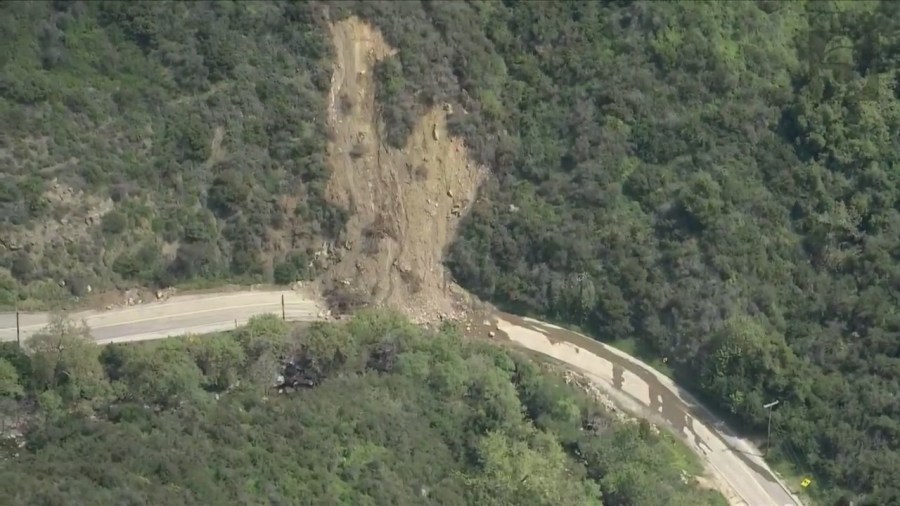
[(638, 388), (180, 315), (633, 385)]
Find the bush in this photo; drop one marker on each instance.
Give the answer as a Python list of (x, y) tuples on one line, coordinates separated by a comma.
[(285, 273), (114, 222), (78, 284), (126, 265), (22, 268), (8, 291), (294, 268)]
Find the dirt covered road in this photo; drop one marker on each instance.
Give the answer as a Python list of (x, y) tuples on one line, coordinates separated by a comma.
[(737, 467)]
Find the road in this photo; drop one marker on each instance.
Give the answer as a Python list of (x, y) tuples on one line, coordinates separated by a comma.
[(633, 385), (180, 315), (641, 390)]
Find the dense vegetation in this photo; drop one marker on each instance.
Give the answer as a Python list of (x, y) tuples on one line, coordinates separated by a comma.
[(717, 180), (700, 177), (385, 414), (197, 127)]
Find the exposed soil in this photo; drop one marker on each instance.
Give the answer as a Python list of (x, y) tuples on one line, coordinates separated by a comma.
[(404, 204), (75, 214)]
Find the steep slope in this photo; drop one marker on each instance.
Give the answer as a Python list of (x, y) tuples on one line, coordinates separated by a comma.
[(404, 204), (154, 143), (716, 182)]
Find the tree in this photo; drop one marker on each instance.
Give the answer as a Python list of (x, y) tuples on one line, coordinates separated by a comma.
[(114, 222), (529, 472), (323, 350), (164, 374), (285, 273), (10, 385), (22, 268), (263, 334), (228, 193), (16, 356), (743, 362), (495, 403), (66, 359), (195, 260), (220, 358)]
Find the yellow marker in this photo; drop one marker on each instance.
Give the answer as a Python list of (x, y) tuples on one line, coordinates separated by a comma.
[(805, 483)]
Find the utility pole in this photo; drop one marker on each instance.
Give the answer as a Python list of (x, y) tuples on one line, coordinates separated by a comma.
[(18, 328), (769, 407), (283, 317)]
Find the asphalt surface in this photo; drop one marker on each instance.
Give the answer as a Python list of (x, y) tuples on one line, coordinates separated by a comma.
[(632, 384), (176, 316)]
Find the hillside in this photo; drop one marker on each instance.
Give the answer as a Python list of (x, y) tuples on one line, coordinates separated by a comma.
[(715, 183), (381, 413), (160, 142)]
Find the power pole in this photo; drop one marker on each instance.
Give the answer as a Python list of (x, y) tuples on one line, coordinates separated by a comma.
[(18, 329), (283, 316), (769, 407)]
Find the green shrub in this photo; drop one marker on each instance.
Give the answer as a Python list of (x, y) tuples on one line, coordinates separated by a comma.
[(114, 222), (23, 269), (285, 273)]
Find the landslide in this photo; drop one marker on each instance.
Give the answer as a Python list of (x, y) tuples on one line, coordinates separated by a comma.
[(404, 204)]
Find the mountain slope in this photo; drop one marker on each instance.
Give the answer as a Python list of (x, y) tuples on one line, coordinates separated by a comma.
[(716, 183), (157, 142)]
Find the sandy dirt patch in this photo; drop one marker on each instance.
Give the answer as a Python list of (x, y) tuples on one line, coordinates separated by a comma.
[(405, 204)]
